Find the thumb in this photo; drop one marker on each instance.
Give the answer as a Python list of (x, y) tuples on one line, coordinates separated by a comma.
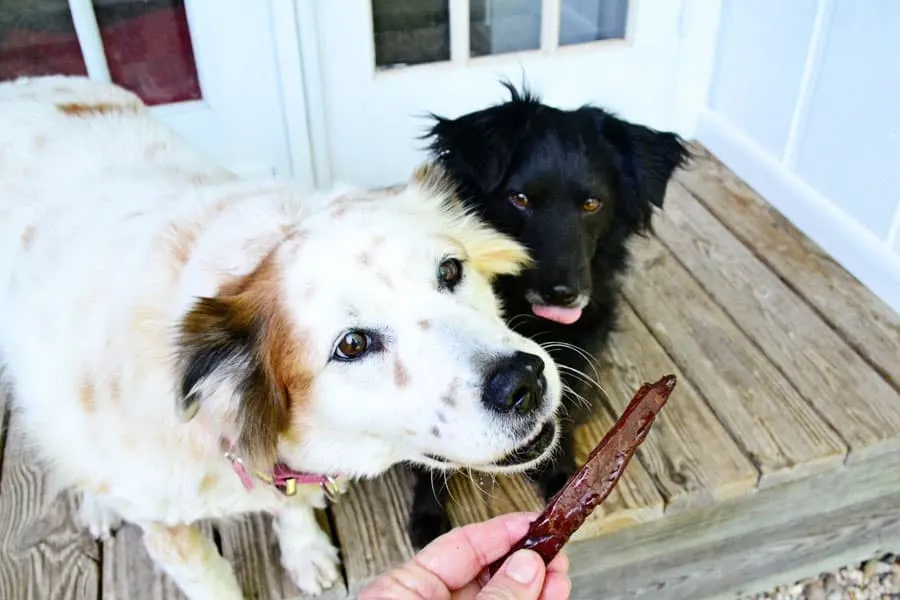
[(520, 578)]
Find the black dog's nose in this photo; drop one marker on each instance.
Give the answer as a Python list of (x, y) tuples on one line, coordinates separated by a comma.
[(516, 383), (561, 295)]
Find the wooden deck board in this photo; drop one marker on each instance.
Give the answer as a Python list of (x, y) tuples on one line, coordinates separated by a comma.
[(688, 452), (866, 322), (833, 378), (847, 513), (43, 552), (777, 429), (370, 524)]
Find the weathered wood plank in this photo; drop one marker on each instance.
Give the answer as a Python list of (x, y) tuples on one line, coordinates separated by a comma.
[(775, 427), (688, 452), (129, 572), (867, 323), (849, 511), (370, 524), (43, 552), (249, 543), (833, 378)]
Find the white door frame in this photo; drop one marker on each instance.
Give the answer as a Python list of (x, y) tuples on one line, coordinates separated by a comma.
[(239, 121), (295, 24)]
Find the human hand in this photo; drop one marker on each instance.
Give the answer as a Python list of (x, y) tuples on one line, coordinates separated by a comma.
[(454, 567)]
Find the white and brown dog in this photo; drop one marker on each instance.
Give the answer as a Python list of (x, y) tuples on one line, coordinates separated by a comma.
[(185, 345)]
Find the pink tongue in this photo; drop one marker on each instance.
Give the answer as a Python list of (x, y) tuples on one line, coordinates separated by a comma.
[(566, 316)]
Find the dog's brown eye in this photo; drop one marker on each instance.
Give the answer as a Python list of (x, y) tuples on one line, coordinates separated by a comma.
[(591, 205), (353, 345), (518, 199), (449, 273)]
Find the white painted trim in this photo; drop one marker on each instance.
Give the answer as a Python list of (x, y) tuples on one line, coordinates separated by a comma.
[(814, 55), (893, 236), (314, 88), (293, 98), (691, 80), (550, 17), (854, 247), (460, 30), (88, 33)]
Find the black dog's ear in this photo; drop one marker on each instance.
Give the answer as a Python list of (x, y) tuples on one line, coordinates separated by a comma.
[(646, 161), (477, 148)]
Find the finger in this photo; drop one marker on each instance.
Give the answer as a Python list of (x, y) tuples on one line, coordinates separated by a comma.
[(459, 556), (559, 564), (557, 586), (520, 578)]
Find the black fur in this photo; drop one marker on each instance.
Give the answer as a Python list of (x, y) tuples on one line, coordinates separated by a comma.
[(557, 159)]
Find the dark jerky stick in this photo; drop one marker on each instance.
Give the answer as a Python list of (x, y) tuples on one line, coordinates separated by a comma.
[(594, 481)]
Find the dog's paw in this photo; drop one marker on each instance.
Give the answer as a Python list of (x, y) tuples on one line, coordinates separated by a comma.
[(100, 520), (425, 527), (312, 564)]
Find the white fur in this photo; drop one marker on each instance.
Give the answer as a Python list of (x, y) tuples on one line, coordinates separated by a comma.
[(111, 227)]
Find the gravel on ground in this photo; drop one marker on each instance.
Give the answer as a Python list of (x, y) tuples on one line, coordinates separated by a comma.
[(874, 579)]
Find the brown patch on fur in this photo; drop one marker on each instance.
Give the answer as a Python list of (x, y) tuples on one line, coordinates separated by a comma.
[(183, 237), (115, 389), (425, 324), (101, 488), (87, 396), (28, 237), (209, 481), (450, 397), (179, 543), (76, 109), (436, 432), (246, 332), (183, 240), (401, 375), (383, 278)]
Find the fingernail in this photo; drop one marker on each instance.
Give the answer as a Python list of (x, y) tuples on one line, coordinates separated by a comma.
[(523, 567)]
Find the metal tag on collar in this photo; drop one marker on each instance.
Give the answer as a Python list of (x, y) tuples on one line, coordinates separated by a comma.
[(332, 488)]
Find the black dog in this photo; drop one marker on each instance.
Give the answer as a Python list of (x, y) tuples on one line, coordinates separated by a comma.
[(572, 186)]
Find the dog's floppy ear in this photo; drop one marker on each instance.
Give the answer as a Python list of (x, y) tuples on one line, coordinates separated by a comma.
[(477, 148), (224, 342), (646, 160)]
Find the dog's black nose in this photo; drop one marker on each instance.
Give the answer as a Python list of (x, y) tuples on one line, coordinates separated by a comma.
[(516, 383), (561, 295)]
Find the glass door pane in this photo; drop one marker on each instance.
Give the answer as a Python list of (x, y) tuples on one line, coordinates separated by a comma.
[(583, 21), (410, 32), (501, 26), (37, 37), (148, 48)]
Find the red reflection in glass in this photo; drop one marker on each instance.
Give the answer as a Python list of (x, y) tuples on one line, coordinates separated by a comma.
[(148, 49), (45, 44)]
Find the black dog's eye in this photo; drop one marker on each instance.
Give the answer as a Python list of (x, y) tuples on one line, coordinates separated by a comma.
[(591, 205), (450, 273), (518, 199), (353, 345)]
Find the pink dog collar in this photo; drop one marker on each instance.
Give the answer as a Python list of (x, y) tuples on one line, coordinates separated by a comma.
[(283, 478)]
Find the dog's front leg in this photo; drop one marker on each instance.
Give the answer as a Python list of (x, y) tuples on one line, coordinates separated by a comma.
[(192, 561), (307, 553)]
